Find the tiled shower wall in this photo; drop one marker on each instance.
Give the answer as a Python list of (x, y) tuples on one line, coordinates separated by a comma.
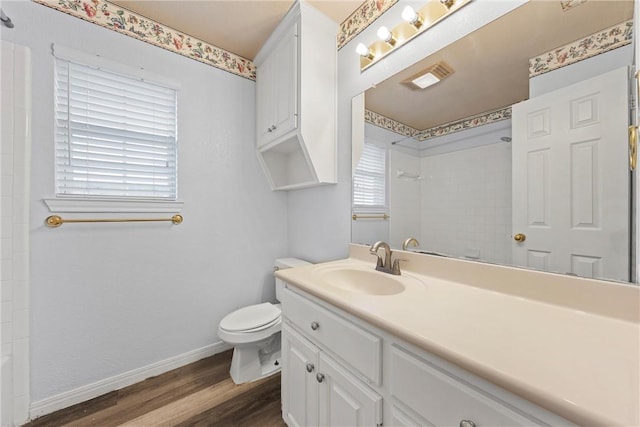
[(14, 254), (466, 203)]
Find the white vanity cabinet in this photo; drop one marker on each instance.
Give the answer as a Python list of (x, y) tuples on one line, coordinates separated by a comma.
[(316, 388), (296, 87), (340, 370)]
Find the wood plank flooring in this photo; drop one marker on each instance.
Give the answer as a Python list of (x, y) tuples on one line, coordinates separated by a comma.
[(199, 394)]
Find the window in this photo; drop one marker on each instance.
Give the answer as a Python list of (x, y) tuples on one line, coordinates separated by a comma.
[(369, 181), (115, 134)]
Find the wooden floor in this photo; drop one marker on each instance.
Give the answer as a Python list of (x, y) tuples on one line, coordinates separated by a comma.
[(199, 394)]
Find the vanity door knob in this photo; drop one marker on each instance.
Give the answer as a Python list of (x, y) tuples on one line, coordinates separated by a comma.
[(269, 129), (320, 378), (310, 367), (467, 423), (315, 325), (520, 237)]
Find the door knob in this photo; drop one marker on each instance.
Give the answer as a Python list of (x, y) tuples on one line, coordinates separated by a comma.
[(520, 237)]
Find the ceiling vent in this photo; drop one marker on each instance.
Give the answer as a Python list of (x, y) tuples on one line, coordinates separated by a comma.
[(430, 76)]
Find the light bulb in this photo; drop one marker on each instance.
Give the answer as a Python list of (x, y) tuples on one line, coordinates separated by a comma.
[(386, 36), (363, 50), (412, 17)]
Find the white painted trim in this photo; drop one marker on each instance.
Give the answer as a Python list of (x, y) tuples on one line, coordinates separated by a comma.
[(111, 205), (97, 61), (90, 391)]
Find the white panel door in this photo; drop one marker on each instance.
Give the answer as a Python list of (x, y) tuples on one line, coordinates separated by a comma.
[(344, 400), (571, 179), (299, 384)]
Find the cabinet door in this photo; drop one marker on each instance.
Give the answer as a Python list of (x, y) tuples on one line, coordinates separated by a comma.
[(345, 400), (285, 84), (299, 384), (264, 101)]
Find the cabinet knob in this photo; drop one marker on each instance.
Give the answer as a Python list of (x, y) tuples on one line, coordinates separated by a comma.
[(467, 423), (315, 325), (320, 378), (310, 367)]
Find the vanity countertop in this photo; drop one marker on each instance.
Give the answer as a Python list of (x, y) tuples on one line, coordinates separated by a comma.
[(569, 345)]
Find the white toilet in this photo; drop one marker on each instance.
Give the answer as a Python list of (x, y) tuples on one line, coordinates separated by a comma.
[(254, 331)]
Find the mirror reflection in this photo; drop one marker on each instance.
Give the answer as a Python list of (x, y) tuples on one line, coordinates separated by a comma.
[(518, 154)]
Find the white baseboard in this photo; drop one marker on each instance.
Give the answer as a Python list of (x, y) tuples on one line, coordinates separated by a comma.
[(98, 388)]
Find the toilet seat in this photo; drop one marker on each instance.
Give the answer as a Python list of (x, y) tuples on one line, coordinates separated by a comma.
[(252, 318)]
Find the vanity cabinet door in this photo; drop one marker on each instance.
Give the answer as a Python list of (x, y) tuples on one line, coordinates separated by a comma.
[(299, 384), (344, 400)]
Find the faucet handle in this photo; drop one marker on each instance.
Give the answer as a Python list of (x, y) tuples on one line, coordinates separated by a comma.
[(396, 265)]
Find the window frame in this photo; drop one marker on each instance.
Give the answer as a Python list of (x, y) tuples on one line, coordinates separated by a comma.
[(87, 203), (367, 209)]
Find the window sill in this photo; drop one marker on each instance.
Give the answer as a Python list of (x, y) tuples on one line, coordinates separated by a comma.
[(113, 205)]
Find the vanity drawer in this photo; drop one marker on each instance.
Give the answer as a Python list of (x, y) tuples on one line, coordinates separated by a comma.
[(443, 399), (356, 346)]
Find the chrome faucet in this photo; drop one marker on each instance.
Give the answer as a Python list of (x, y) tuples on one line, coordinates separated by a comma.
[(410, 241), (385, 265)]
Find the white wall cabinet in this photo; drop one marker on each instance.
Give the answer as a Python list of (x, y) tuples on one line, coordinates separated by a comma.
[(296, 101), (277, 90), (329, 380)]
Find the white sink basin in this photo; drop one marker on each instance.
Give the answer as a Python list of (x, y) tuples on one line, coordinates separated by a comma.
[(368, 282)]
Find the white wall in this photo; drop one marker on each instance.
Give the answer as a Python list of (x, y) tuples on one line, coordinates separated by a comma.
[(466, 203), (405, 205), (107, 299), (15, 105)]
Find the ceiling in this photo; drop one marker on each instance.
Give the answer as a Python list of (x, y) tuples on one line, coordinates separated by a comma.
[(237, 26), (492, 64)]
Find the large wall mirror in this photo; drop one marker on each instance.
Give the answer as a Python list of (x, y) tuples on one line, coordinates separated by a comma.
[(504, 162)]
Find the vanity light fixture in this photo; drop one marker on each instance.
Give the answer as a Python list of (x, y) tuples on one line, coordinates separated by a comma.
[(447, 3), (414, 22), (386, 36), (364, 51), (412, 17)]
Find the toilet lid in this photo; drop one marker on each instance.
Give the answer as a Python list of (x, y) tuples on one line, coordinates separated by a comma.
[(251, 317)]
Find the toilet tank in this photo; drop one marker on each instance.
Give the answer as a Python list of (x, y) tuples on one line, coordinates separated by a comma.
[(282, 263)]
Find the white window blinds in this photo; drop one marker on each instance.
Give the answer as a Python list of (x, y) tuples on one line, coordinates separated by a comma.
[(369, 181), (115, 135)]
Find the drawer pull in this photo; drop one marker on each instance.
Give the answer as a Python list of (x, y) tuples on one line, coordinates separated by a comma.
[(315, 325), (310, 367), (320, 378), (467, 423)]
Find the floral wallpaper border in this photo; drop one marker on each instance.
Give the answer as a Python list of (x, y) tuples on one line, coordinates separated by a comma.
[(568, 4), (446, 129), (466, 123), (113, 17), (389, 124), (361, 18), (595, 44)]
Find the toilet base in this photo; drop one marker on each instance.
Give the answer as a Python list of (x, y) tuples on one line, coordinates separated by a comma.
[(256, 360)]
